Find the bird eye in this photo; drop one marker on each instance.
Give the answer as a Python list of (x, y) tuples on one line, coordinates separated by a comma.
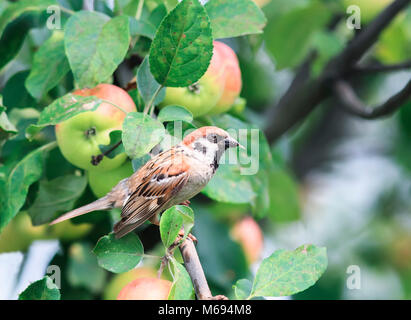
[(213, 138)]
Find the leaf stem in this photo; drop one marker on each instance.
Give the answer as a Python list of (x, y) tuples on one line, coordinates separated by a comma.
[(114, 105), (151, 102), (139, 9), (67, 10)]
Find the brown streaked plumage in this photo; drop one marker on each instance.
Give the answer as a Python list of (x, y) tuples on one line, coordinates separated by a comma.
[(169, 178)]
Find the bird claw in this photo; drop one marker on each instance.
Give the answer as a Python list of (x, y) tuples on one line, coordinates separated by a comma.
[(190, 236), (186, 203)]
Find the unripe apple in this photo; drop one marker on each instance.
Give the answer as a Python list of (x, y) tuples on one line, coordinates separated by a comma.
[(203, 95), (68, 231), (101, 182), (80, 136), (232, 73), (146, 289), (249, 235), (119, 281)]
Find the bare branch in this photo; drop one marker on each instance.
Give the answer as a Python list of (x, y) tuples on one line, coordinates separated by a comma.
[(353, 104), (305, 93), (195, 270), (380, 68)]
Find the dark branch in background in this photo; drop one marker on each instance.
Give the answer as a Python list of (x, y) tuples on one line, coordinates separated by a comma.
[(305, 93), (95, 160), (195, 270), (353, 104), (380, 68)]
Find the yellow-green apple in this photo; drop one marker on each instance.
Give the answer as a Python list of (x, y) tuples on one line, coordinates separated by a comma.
[(203, 95), (249, 235), (68, 231), (101, 182), (80, 136), (20, 233), (232, 78), (119, 281), (146, 289)]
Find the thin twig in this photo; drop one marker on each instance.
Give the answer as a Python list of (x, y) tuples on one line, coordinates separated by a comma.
[(306, 92), (353, 104), (95, 160), (381, 68)]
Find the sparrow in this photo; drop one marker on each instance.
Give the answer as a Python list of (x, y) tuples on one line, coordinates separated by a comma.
[(169, 178)]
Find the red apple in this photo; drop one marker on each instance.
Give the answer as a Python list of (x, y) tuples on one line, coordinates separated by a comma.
[(232, 74), (146, 289), (249, 235)]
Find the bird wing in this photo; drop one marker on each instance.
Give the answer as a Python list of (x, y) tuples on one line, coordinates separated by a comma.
[(153, 187)]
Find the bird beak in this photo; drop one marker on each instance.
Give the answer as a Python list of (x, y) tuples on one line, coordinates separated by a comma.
[(232, 143)]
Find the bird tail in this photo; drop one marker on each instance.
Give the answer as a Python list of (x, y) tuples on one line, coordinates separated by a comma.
[(99, 204)]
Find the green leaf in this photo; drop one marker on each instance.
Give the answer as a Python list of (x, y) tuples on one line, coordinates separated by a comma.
[(183, 46), (115, 137), (43, 289), (225, 259), (13, 190), (119, 255), (63, 109), (182, 288), (6, 127), (242, 289), (287, 272), (141, 133), (50, 65), (83, 270), (288, 37), (284, 197), (15, 94), (95, 46), (141, 28), (17, 8), (175, 113), (157, 15), (171, 222), (233, 18), (57, 195), (14, 33), (147, 85), (228, 185)]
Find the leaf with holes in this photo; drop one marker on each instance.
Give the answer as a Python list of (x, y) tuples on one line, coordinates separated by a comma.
[(63, 109), (115, 138), (183, 46)]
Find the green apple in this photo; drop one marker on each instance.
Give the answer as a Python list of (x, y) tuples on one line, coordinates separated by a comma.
[(20, 233), (79, 137), (203, 95), (68, 231), (101, 182), (232, 78)]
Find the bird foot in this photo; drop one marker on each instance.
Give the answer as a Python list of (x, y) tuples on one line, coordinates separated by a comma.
[(181, 235), (185, 203)]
